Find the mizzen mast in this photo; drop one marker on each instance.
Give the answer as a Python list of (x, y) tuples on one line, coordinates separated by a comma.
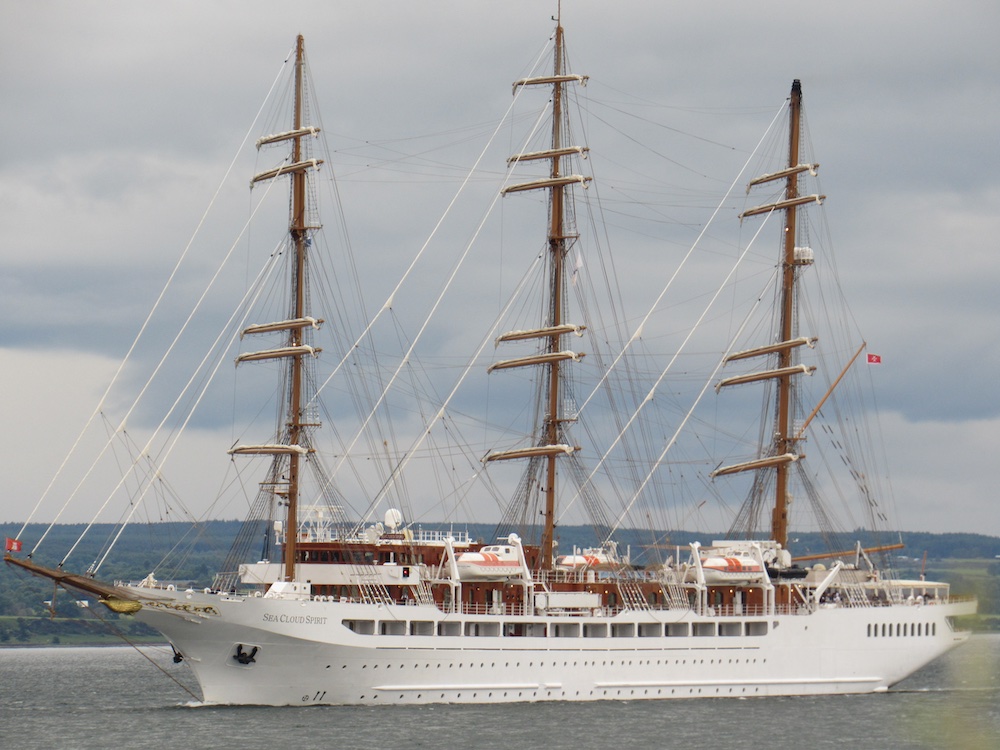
[(552, 355), (294, 443), (782, 437), (783, 450)]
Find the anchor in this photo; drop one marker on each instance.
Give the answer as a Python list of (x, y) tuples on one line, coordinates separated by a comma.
[(243, 657)]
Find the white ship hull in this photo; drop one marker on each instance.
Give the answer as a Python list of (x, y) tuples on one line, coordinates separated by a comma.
[(307, 653)]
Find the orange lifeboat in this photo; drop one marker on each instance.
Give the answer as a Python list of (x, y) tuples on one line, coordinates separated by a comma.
[(497, 562), (731, 568)]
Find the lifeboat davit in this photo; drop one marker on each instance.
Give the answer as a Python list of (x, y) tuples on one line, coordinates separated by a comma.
[(494, 563)]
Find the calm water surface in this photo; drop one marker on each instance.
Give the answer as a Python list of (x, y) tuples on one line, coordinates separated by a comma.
[(113, 698)]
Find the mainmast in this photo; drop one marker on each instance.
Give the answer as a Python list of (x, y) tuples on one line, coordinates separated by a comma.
[(783, 449), (557, 253), (551, 445), (297, 231), (294, 442)]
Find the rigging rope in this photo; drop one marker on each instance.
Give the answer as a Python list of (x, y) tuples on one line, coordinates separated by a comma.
[(172, 443), (100, 405), (135, 403), (638, 333), (117, 631), (388, 304)]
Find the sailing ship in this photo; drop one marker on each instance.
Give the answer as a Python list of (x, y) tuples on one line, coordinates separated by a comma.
[(393, 613)]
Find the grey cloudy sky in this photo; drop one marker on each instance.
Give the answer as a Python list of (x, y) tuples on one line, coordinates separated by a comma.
[(119, 119)]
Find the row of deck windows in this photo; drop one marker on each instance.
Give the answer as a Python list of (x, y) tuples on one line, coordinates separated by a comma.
[(901, 629), (557, 629), (359, 557)]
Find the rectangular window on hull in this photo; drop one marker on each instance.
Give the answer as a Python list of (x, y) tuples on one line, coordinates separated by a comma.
[(650, 630), (730, 628), (622, 630), (566, 630), (482, 628), (361, 627)]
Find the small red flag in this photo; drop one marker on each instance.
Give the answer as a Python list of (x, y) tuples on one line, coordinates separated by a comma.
[(874, 359), (12, 545)]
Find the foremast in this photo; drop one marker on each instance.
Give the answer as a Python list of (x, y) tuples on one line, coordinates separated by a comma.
[(294, 442), (552, 439), (784, 448)]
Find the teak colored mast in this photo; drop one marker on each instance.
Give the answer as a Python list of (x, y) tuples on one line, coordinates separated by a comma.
[(783, 439), (782, 449), (297, 229), (557, 249), (293, 439), (551, 433)]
